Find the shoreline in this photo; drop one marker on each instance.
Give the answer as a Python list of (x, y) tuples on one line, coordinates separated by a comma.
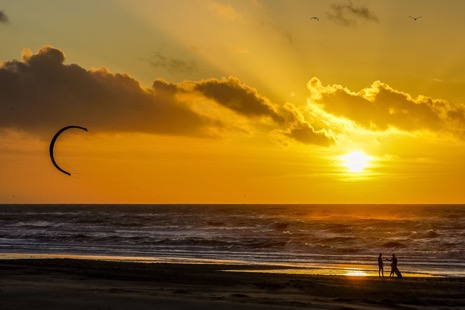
[(320, 269), (77, 283)]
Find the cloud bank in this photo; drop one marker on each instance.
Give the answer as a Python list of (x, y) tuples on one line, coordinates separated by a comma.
[(41, 93)]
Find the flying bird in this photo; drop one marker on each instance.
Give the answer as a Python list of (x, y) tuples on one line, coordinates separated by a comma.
[(315, 18), (52, 145), (415, 18)]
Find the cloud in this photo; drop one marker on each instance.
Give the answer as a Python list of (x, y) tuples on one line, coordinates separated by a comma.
[(3, 17), (41, 93), (232, 94), (225, 11), (348, 14), (306, 134), (301, 130), (380, 107), (173, 65)]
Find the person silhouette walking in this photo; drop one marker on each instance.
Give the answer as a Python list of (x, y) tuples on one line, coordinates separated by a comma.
[(380, 265), (394, 269)]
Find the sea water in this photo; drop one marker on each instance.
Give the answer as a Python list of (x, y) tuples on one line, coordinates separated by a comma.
[(426, 239)]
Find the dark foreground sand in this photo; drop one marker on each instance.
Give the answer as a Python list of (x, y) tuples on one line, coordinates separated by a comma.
[(83, 284)]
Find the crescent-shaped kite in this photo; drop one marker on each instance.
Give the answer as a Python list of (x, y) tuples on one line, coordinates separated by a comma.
[(52, 145)]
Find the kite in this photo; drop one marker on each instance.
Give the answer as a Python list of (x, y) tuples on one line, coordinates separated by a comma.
[(52, 144)]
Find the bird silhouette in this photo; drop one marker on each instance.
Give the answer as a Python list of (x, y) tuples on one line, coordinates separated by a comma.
[(315, 18), (415, 18)]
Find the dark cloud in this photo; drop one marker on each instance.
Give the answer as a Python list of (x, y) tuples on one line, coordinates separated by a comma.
[(173, 65), (42, 92), (348, 14), (3, 17), (381, 107), (232, 94), (229, 93)]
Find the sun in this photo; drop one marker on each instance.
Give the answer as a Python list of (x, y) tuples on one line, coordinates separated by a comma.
[(356, 161)]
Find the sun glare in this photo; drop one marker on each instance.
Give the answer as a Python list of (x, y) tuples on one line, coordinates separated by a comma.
[(356, 161), (356, 273)]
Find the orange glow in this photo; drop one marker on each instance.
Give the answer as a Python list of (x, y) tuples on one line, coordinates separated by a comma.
[(256, 104)]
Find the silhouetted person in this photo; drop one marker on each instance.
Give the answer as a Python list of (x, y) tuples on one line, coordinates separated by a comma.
[(394, 269), (380, 265)]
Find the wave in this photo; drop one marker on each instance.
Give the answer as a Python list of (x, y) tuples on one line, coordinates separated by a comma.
[(34, 224), (216, 224), (280, 226), (454, 254), (393, 244), (340, 239), (425, 235)]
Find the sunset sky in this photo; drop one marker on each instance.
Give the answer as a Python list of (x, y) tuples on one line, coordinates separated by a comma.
[(234, 101)]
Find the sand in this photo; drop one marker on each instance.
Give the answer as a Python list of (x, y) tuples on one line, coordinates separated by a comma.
[(87, 284)]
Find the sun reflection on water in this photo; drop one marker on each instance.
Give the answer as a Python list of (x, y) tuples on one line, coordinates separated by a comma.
[(356, 273)]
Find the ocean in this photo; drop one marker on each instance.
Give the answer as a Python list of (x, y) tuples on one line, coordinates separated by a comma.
[(428, 240)]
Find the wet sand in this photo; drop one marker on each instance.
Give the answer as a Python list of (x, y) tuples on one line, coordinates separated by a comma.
[(87, 284)]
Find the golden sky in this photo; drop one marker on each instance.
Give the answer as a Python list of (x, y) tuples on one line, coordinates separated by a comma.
[(233, 101)]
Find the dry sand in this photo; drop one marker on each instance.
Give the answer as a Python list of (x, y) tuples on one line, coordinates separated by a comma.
[(84, 284)]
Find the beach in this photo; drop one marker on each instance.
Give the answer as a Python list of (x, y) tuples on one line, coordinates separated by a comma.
[(96, 284)]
